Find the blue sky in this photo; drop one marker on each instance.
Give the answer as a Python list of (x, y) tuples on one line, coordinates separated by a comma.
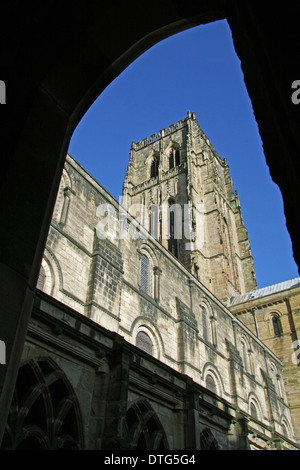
[(196, 70)]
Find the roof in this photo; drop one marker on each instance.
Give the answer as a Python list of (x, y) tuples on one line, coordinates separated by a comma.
[(264, 291)]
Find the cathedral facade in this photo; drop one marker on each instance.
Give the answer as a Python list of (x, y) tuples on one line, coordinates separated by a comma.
[(148, 330)]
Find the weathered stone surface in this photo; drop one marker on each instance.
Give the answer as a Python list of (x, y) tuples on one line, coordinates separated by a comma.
[(181, 310)]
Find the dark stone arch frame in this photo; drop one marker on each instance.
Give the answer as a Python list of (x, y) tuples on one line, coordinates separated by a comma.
[(52, 45)]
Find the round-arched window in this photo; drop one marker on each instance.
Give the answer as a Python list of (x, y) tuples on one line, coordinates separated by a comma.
[(277, 327), (144, 342), (210, 383)]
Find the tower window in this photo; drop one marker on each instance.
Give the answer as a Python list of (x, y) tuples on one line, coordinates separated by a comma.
[(154, 167), (174, 159), (171, 160)]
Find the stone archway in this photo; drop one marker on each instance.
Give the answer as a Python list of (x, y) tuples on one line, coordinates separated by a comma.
[(207, 440), (45, 413), (142, 428), (47, 47)]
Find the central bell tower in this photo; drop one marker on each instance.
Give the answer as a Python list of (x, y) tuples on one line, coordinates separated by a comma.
[(180, 190)]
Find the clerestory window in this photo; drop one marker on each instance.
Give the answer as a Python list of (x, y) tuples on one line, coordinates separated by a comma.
[(144, 342), (277, 327)]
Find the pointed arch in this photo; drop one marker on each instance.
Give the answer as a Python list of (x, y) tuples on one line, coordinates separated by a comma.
[(172, 155), (208, 441), (45, 413), (154, 164), (142, 429)]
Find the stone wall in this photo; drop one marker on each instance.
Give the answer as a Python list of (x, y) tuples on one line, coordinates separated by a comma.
[(188, 328), (273, 314), (93, 389)]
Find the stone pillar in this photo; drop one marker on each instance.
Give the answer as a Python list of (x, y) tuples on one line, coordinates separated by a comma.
[(192, 429), (98, 406), (187, 336), (238, 436), (236, 367), (157, 272), (117, 393), (271, 398), (28, 193), (255, 322)]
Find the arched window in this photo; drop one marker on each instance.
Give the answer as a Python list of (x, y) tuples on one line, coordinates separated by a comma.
[(45, 413), (210, 383), (149, 272), (46, 279), (144, 274), (144, 342), (171, 160), (207, 440), (174, 158), (277, 327), (142, 429), (286, 430), (253, 410)]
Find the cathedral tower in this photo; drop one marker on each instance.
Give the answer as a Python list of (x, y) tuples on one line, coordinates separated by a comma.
[(180, 190)]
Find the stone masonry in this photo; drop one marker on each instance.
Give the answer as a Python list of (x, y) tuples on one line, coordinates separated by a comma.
[(142, 322)]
